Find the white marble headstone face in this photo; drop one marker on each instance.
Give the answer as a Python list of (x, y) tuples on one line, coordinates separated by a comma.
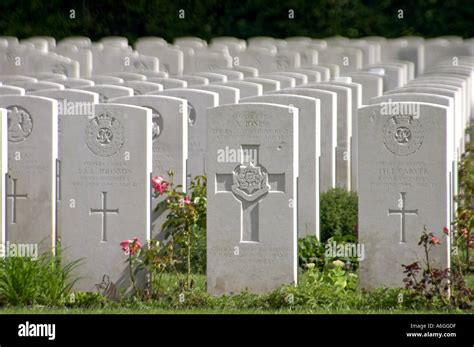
[(106, 171), (116, 41), (194, 80), (169, 140), (10, 90), (299, 77), (33, 86), (347, 58), (198, 103), (393, 76), (268, 84), (51, 63), (308, 56), (171, 59), (404, 49), (209, 61), (231, 74), (73, 82), (227, 94), (13, 60), (403, 186), (287, 59), (285, 81), (312, 76), (439, 50), (46, 76), (261, 59), (3, 170), (251, 222), (328, 133), (104, 79), (458, 81), (107, 91), (356, 90), (140, 62), (444, 92), (150, 41), (143, 87), (248, 71), (110, 59), (460, 97), (82, 55), (309, 156), (12, 78), (212, 76), (191, 41), (391, 101), (323, 71), (31, 183), (372, 85), (129, 76), (344, 131), (70, 102), (169, 83), (155, 74), (246, 88)]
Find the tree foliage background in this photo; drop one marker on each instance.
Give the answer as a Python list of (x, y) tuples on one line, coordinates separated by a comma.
[(240, 18)]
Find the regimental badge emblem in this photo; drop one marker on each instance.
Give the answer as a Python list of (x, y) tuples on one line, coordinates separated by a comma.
[(191, 114), (157, 124), (140, 65), (105, 135), (282, 63), (250, 182), (60, 69), (403, 135), (20, 124)]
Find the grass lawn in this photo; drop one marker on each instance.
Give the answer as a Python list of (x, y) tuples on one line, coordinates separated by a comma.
[(470, 281), (200, 286), (48, 310)]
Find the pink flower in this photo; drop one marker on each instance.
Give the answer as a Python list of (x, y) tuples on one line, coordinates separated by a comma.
[(131, 246), (125, 246), (435, 240), (159, 184), (470, 244), (187, 200), (446, 230)]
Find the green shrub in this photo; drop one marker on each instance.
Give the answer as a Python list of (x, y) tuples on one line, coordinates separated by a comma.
[(313, 254), (338, 213), (310, 251), (88, 300), (44, 281)]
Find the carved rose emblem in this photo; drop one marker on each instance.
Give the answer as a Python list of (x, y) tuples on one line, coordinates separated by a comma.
[(250, 179)]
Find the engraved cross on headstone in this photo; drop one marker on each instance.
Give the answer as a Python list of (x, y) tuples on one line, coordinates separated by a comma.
[(250, 183), (104, 211), (14, 195), (402, 212)]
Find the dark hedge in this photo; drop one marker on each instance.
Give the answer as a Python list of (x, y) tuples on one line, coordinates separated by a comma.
[(244, 18)]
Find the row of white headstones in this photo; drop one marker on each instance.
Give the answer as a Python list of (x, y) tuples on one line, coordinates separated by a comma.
[(79, 170)]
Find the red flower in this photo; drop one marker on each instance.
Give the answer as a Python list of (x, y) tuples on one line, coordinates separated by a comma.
[(159, 184), (131, 246), (446, 230), (435, 240), (187, 200)]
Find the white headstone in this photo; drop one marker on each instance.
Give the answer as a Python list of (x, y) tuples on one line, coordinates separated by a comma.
[(106, 171), (32, 160), (251, 218)]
